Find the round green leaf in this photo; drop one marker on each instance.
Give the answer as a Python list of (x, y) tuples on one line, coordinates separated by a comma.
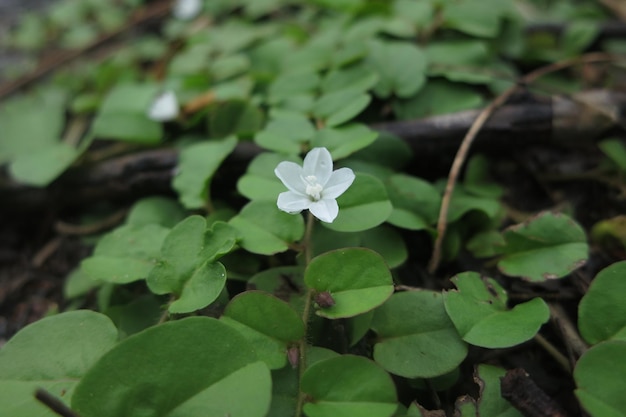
[(259, 182), (187, 266), (337, 107), (599, 376), (424, 343), (363, 206), (479, 313), (415, 202), (126, 254), (196, 166), (255, 315), (491, 402), (401, 67), (602, 311), (155, 210), (52, 353), (357, 279), (344, 141), (41, 166), (548, 246), (173, 368), (266, 230), (348, 386)]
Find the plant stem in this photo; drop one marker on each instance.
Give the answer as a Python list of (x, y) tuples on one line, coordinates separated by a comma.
[(306, 311), (554, 352)]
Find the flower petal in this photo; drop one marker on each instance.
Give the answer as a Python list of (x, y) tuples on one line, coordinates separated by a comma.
[(164, 108), (319, 163), (326, 210), (338, 182), (292, 203), (187, 9), (290, 174)]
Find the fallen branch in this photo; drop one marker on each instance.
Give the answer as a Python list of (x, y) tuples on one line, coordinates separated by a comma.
[(557, 120)]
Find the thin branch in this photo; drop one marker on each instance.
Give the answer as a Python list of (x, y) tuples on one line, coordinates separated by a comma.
[(482, 118), (54, 404)]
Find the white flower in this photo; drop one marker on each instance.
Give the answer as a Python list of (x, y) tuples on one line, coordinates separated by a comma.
[(314, 186), (164, 108), (187, 9)]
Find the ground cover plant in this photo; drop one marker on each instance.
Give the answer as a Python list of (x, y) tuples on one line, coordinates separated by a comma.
[(314, 208)]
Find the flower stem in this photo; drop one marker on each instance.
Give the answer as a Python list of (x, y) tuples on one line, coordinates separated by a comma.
[(306, 311)]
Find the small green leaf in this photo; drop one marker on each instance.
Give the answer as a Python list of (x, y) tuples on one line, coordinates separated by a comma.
[(196, 166), (491, 402), (43, 165), (345, 140), (548, 246), (255, 314), (357, 279), (348, 386), (363, 206), (285, 133), (292, 83), (234, 117), (122, 115), (126, 254), (266, 230), (259, 182), (187, 266), (171, 369), (599, 376), (415, 202), (479, 313), (437, 97), (479, 18), (401, 67), (52, 353), (337, 107), (602, 311), (424, 343), (357, 77), (616, 151), (155, 210), (460, 60)]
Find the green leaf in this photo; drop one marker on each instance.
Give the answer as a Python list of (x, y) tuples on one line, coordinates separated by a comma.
[(460, 60), (337, 107), (283, 281), (52, 353), (290, 84), (126, 254), (357, 77), (424, 343), (479, 312), (25, 131), (491, 402), (196, 166), (259, 182), (401, 67), (357, 279), (345, 140), (285, 133), (348, 386), (479, 18), (599, 376), (191, 367), (122, 115), (548, 246), (363, 206), (415, 202), (44, 164), (437, 97), (382, 239), (266, 230), (602, 311), (387, 151), (155, 210), (187, 266), (234, 117), (615, 150), (255, 315)]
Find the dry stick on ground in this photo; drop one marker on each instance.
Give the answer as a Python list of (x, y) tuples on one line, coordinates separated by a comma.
[(141, 17), (54, 404), (482, 118)]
